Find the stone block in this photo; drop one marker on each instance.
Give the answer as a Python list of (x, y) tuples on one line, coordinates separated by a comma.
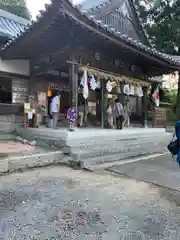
[(3, 165), (7, 127), (35, 160)]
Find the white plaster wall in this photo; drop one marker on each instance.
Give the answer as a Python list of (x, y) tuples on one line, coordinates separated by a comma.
[(20, 67)]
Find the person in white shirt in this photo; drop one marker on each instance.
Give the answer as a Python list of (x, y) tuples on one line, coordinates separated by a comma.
[(55, 108)]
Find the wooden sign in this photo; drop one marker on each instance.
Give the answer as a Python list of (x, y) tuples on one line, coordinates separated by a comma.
[(42, 99)]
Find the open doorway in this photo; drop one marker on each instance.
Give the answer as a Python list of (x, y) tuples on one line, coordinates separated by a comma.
[(5, 90)]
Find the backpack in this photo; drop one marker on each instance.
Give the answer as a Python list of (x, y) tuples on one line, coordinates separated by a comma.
[(173, 146)]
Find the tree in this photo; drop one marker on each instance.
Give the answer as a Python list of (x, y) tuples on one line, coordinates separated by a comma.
[(161, 21), (18, 7)]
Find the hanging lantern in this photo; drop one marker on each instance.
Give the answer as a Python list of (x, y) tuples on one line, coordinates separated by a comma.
[(49, 93)]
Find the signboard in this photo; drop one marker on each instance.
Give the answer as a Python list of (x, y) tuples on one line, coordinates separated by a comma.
[(42, 99), (27, 106)]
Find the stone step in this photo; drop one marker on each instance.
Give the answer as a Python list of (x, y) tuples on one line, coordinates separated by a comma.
[(101, 140), (115, 157), (123, 143), (124, 150), (7, 137), (107, 165), (102, 148), (14, 163), (44, 142)]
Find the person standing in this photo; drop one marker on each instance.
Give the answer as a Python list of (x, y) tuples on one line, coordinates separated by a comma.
[(71, 116), (49, 100), (119, 114), (127, 113), (110, 113), (55, 108)]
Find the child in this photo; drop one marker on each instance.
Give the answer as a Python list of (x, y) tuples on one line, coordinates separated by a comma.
[(71, 116)]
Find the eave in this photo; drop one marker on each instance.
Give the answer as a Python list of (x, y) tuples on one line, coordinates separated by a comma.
[(64, 7)]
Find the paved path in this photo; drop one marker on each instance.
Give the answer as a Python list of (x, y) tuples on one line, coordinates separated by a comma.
[(61, 203), (163, 171)]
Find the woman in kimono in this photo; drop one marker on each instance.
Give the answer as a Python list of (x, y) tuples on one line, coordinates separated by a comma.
[(71, 116)]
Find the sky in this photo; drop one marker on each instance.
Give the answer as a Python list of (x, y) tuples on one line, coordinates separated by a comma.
[(35, 5)]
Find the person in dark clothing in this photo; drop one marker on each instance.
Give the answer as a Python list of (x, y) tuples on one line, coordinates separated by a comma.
[(119, 114)]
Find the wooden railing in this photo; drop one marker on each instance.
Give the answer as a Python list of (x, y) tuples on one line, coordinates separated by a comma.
[(158, 117)]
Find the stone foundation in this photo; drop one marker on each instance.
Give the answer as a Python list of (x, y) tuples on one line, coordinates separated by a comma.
[(9, 123), (89, 148)]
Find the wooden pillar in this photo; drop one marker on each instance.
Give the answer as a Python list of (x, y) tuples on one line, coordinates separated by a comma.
[(145, 107), (102, 82), (32, 80), (153, 88), (121, 94), (138, 106), (73, 77)]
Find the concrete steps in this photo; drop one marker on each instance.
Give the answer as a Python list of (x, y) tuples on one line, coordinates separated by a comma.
[(111, 152), (96, 148), (26, 161)]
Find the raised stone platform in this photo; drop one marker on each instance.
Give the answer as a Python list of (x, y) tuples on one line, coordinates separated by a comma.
[(17, 156), (92, 147)]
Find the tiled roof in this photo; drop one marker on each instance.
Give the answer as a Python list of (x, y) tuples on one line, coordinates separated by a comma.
[(96, 5), (11, 25), (117, 36)]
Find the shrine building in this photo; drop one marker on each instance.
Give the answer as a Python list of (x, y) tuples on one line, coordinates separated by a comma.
[(106, 40)]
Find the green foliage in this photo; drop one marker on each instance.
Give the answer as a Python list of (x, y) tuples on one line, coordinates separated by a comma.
[(168, 100), (168, 95), (171, 116), (161, 22), (18, 7)]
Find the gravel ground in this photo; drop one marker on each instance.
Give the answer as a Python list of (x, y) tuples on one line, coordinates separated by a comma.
[(61, 203)]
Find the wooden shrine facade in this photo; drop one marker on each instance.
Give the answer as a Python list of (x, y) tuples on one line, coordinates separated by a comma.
[(65, 38)]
